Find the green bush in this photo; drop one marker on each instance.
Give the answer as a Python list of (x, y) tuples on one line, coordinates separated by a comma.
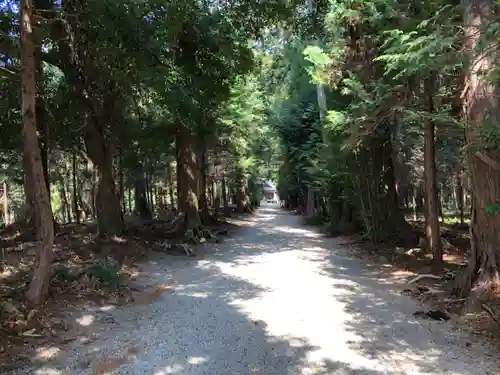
[(105, 272)]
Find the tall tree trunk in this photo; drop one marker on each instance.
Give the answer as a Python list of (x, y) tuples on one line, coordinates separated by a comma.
[(122, 181), (155, 198), (41, 111), (203, 201), (129, 200), (481, 110), (5, 195), (148, 191), (108, 208), (28, 185), (66, 208), (39, 286), (460, 196), (213, 191), (432, 231), (414, 202), (170, 182), (93, 189), (224, 197), (187, 183), (99, 109), (76, 208), (241, 197), (377, 196), (140, 194)]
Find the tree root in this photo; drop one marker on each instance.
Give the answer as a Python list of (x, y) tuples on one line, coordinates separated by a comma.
[(493, 315), (192, 237), (199, 235), (424, 276)]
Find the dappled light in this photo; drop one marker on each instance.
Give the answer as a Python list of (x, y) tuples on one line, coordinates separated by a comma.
[(274, 296), (249, 187), (48, 372), (85, 320), (46, 353)]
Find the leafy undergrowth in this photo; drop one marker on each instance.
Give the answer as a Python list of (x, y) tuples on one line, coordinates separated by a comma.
[(85, 268)]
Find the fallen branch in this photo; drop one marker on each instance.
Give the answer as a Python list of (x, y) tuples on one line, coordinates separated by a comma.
[(456, 300), (424, 276), (490, 312)]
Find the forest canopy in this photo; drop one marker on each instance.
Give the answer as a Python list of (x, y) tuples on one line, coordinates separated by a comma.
[(369, 114)]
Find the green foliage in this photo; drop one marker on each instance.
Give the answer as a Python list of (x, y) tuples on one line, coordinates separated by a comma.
[(492, 209), (104, 272)]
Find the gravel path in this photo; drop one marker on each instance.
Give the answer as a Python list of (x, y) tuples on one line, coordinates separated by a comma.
[(274, 299)]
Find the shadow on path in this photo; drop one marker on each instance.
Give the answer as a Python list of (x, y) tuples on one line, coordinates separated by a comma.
[(277, 299)]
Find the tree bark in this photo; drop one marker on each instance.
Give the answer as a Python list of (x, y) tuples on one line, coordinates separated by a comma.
[(76, 208), (39, 286), (66, 208), (41, 111), (187, 183), (432, 231), (203, 201), (377, 196), (481, 111), (140, 195), (5, 196), (108, 208), (242, 199), (121, 181), (225, 202), (460, 196), (170, 182)]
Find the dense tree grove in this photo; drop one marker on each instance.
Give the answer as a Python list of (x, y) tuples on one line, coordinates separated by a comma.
[(411, 98), (129, 108), (366, 112)]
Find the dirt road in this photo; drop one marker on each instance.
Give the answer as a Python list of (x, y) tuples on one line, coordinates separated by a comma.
[(275, 299)]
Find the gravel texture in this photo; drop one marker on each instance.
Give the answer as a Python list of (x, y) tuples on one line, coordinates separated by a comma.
[(277, 299)]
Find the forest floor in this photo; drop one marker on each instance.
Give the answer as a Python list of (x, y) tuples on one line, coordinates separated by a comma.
[(274, 298), (85, 269), (410, 262)]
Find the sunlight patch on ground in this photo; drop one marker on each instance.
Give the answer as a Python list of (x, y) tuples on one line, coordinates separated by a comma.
[(264, 217), (103, 308), (408, 361), (85, 320), (306, 233), (46, 353), (174, 369), (302, 308), (195, 294), (48, 371), (196, 360), (107, 308)]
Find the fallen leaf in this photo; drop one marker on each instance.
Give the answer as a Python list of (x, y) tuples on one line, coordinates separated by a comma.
[(148, 298), (31, 333)]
